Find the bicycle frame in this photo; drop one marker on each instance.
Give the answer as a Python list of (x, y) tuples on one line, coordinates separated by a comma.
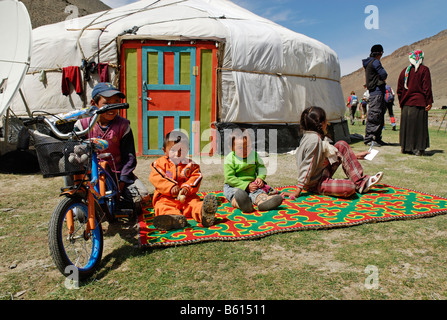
[(91, 199), (94, 190)]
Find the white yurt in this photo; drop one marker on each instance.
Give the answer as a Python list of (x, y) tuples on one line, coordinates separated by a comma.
[(197, 65)]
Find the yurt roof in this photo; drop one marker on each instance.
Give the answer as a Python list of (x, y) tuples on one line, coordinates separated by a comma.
[(270, 72)]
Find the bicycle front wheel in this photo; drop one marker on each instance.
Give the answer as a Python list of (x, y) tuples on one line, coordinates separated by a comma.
[(73, 251)]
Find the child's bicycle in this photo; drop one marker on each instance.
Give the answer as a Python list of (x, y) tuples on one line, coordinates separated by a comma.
[(75, 235)]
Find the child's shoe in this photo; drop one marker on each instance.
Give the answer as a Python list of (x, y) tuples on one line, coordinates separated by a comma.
[(270, 203), (170, 222), (242, 201), (209, 208), (370, 182)]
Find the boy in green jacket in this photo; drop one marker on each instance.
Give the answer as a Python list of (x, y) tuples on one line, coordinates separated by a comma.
[(245, 173)]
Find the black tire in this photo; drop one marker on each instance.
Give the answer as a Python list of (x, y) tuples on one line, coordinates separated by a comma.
[(84, 254)]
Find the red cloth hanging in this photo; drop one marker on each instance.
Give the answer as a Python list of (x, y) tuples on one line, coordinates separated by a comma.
[(73, 75), (103, 70)]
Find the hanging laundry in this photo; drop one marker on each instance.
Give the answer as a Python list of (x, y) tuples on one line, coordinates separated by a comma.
[(73, 75), (88, 68), (103, 70)]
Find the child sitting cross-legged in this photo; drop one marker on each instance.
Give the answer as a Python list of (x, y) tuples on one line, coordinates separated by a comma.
[(318, 160), (245, 173), (177, 180)]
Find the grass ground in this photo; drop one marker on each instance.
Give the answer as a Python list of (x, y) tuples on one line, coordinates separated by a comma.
[(409, 257)]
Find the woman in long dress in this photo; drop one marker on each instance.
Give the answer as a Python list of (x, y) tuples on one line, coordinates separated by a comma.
[(416, 98)]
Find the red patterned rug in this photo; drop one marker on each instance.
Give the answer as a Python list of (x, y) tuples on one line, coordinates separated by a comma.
[(309, 211)]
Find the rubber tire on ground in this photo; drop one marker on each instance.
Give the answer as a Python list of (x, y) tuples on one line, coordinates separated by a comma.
[(57, 229)]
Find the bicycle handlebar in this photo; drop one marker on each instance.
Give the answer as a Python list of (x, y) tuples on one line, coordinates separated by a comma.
[(112, 106), (65, 136)]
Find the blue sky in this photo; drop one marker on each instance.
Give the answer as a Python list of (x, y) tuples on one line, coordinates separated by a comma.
[(341, 24)]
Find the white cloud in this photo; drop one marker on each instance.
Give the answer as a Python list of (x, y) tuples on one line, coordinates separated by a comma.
[(277, 16), (249, 5)]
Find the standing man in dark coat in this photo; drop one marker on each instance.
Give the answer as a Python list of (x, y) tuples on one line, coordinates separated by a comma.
[(375, 82)]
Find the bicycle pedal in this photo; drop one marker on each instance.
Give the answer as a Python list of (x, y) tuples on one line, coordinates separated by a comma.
[(123, 213)]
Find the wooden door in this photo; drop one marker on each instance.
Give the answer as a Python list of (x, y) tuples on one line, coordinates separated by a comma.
[(168, 94)]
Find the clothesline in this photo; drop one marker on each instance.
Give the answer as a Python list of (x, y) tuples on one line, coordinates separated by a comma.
[(78, 76), (60, 69)]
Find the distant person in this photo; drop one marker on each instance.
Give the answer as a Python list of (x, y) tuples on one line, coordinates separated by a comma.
[(318, 161), (389, 104), (364, 104), (375, 82), (415, 95), (352, 104)]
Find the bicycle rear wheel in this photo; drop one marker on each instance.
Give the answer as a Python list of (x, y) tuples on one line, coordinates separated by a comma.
[(75, 248)]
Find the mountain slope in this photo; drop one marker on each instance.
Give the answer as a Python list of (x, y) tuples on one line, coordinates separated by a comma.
[(44, 12), (434, 51)]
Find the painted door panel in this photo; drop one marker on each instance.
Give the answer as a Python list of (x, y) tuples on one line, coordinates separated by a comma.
[(168, 94)]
